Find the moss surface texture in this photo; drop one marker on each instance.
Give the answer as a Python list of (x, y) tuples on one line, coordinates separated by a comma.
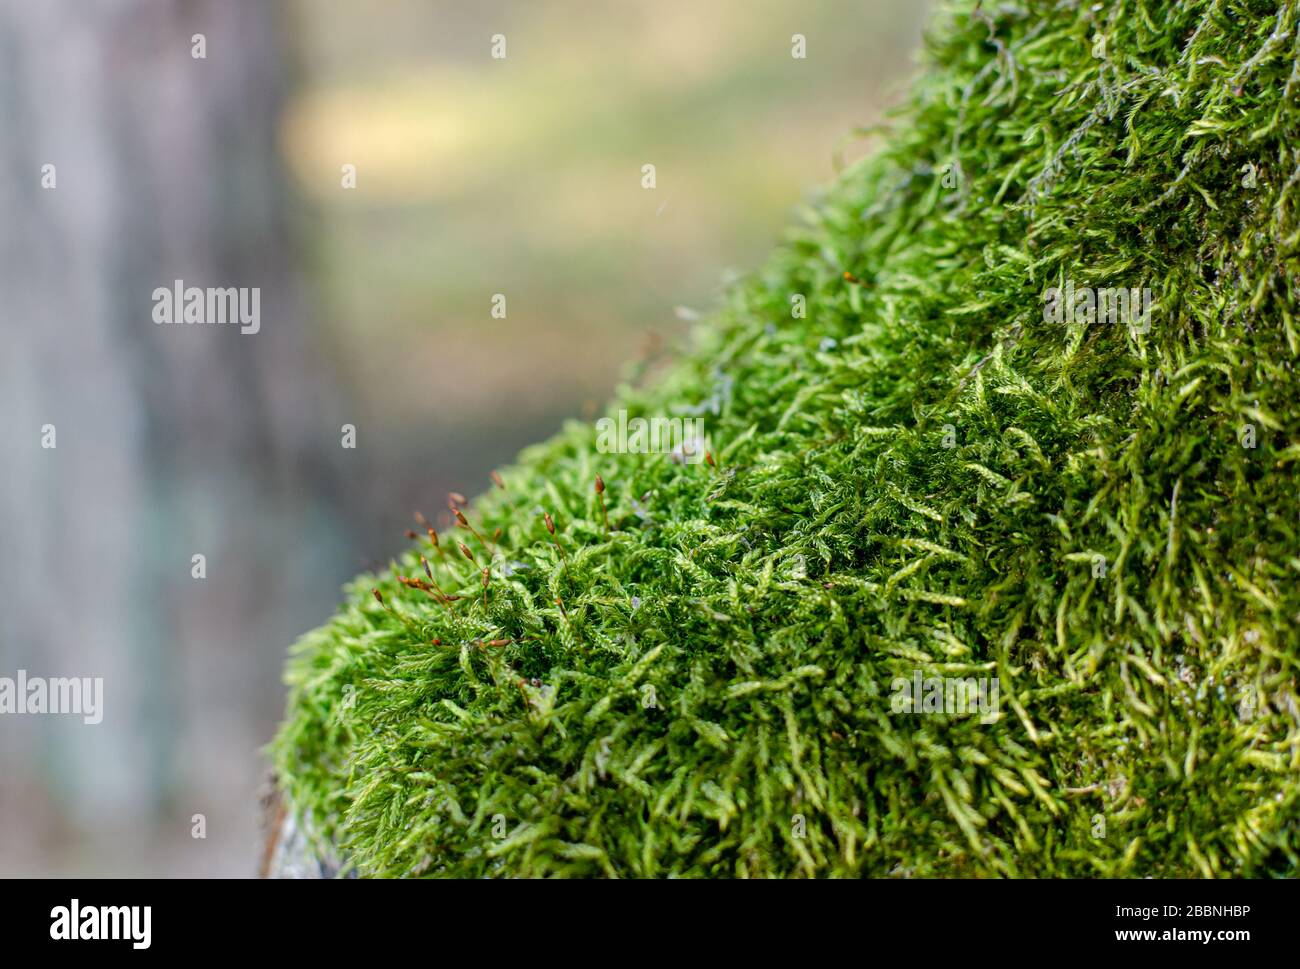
[(942, 466)]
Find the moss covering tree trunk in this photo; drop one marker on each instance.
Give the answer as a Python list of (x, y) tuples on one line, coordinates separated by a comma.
[(943, 468)]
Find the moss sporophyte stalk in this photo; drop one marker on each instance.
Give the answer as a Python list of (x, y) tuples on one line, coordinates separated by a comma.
[(913, 471)]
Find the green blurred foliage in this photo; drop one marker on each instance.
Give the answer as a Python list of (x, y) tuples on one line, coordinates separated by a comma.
[(522, 176)]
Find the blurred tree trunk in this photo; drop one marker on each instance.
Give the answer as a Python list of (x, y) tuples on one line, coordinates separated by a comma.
[(171, 440)]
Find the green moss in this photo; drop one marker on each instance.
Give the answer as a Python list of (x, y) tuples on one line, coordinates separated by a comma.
[(1152, 689)]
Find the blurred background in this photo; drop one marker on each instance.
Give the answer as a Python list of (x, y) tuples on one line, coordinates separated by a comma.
[(474, 176)]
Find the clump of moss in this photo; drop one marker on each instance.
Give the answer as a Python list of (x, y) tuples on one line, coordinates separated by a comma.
[(922, 473)]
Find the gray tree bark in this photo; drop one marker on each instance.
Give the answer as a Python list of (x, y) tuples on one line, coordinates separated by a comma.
[(172, 440)]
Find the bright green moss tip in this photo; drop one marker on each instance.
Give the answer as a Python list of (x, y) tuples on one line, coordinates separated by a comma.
[(923, 473)]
